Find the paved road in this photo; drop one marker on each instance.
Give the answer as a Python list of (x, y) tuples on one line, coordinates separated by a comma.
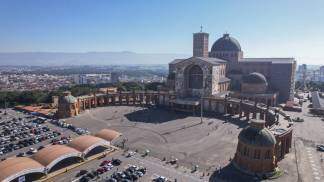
[(306, 135)]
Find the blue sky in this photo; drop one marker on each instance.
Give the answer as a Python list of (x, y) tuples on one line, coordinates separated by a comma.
[(277, 28)]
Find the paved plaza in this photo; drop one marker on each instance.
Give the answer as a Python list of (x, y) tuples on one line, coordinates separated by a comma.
[(210, 144), (167, 134)]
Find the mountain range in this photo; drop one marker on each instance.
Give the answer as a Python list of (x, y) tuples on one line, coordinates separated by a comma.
[(87, 58)]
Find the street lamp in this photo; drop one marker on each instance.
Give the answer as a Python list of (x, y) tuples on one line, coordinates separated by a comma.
[(201, 109)]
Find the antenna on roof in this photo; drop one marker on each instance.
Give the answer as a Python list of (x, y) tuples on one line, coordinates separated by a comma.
[(201, 27)]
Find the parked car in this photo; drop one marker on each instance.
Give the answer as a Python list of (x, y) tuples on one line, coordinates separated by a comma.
[(160, 179), (116, 162), (32, 151), (81, 173), (21, 154), (320, 148), (105, 162)]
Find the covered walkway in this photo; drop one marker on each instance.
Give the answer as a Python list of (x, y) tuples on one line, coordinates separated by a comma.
[(13, 168), (86, 143), (108, 134), (49, 157), (53, 154)]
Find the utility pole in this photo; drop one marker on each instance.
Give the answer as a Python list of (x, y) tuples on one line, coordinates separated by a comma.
[(5, 105), (201, 110)]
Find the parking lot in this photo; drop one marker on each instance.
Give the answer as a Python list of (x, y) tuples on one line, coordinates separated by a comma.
[(23, 134), (131, 168)]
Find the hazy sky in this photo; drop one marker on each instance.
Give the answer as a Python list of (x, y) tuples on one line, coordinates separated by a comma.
[(265, 28)]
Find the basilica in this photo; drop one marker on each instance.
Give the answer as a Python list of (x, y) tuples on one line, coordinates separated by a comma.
[(224, 71)]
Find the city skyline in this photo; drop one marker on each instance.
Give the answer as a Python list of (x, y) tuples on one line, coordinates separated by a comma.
[(270, 29)]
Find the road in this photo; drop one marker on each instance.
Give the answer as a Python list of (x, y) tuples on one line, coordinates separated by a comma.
[(306, 136)]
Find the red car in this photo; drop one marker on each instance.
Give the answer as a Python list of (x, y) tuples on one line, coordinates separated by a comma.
[(101, 170), (105, 162)]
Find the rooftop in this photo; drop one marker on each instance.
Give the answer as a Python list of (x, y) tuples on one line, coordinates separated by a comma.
[(270, 60), (15, 167), (214, 61)]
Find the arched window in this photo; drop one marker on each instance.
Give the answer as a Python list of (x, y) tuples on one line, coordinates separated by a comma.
[(245, 151), (195, 77), (267, 154), (257, 154)]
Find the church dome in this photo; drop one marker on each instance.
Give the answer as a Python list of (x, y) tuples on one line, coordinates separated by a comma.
[(226, 43), (254, 78), (257, 135)]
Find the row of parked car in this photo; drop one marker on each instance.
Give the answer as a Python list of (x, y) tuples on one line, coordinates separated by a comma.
[(61, 141), (28, 141), (63, 124), (104, 167), (19, 131), (131, 173)]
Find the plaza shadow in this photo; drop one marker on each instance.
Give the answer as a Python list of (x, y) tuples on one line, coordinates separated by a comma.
[(155, 115), (241, 123)]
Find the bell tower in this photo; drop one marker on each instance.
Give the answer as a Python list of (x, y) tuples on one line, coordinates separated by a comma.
[(200, 44)]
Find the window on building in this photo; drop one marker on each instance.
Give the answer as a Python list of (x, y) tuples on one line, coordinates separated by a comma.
[(195, 77), (257, 154), (267, 154), (245, 151)]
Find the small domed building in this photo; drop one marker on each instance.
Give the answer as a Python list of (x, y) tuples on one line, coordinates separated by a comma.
[(254, 86), (255, 152), (68, 106), (254, 83)]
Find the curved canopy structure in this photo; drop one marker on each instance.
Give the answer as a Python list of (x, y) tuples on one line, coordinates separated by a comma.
[(86, 143), (12, 168), (108, 134), (51, 155)]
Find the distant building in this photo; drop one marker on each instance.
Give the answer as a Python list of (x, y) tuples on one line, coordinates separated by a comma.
[(80, 79), (108, 90), (321, 74), (114, 78), (76, 79), (301, 72)]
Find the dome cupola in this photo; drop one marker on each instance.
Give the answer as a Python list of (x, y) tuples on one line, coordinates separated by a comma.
[(226, 43)]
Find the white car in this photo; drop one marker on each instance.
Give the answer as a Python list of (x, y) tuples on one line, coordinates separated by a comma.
[(33, 150)]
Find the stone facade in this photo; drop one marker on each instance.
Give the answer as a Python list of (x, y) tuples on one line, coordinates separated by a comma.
[(280, 72), (200, 44), (213, 76), (255, 152), (68, 106)]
